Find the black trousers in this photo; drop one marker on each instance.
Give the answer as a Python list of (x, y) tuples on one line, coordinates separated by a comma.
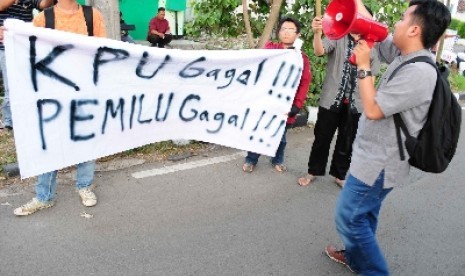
[(159, 42), (325, 127)]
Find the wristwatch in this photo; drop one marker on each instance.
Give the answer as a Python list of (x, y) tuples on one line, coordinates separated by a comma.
[(361, 74)]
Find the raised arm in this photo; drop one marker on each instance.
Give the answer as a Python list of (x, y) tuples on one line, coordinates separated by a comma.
[(45, 4), (317, 28), (362, 10), (5, 4)]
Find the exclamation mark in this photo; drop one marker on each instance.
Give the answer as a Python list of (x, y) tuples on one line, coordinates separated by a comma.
[(271, 121), (283, 122), (291, 70), (297, 78), (279, 73), (258, 123)]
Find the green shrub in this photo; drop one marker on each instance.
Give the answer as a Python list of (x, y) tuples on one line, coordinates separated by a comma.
[(457, 82), (215, 17), (454, 24), (461, 29)]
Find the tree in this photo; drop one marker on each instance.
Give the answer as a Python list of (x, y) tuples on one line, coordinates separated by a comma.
[(271, 22), (245, 12), (110, 11)]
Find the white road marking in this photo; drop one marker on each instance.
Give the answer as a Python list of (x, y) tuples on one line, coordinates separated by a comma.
[(188, 166)]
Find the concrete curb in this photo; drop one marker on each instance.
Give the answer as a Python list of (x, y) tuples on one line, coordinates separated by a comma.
[(459, 96), (11, 170)]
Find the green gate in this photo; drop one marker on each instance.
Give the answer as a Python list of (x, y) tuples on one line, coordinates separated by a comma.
[(138, 13)]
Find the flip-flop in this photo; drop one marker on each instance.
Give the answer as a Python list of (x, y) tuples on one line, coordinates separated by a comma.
[(306, 180)]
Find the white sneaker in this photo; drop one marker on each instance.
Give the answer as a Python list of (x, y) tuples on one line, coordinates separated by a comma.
[(32, 206), (88, 198)]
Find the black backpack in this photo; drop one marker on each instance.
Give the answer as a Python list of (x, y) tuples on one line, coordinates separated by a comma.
[(437, 141), (88, 16)]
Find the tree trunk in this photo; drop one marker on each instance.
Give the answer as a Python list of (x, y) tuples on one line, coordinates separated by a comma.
[(272, 19), (110, 11), (245, 12), (441, 40)]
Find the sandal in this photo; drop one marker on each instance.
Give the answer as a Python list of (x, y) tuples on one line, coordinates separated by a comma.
[(279, 167), (306, 180), (247, 167), (339, 182)]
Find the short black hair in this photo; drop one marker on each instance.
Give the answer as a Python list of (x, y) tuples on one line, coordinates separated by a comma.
[(433, 17), (296, 22), (161, 9)]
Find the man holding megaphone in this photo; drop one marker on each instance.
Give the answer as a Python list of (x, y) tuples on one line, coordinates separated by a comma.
[(375, 168)]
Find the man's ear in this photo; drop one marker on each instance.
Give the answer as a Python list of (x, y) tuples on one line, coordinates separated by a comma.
[(414, 30)]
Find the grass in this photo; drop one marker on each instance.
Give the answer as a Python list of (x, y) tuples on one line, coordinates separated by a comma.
[(457, 82), (7, 149), (150, 153)]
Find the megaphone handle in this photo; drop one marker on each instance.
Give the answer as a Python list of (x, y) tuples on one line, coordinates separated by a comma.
[(353, 58)]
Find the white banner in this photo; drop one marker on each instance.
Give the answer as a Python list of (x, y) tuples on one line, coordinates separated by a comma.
[(76, 98)]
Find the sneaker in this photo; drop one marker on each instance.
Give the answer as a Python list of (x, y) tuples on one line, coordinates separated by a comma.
[(88, 198), (337, 255), (32, 206)]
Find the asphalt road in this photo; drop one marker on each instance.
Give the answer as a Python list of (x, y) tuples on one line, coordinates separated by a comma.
[(217, 220)]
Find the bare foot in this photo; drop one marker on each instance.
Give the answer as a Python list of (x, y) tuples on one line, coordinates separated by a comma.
[(339, 182), (279, 167), (247, 167), (306, 180)]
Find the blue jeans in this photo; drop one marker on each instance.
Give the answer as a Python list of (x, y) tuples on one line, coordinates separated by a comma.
[(252, 157), (6, 111), (357, 211), (46, 185)]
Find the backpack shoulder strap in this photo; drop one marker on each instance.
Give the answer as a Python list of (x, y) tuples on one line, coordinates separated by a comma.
[(89, 17), (400, 125), (415, 59), (49, 15), (398, 122)]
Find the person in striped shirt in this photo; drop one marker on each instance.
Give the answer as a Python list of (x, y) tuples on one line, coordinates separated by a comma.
[(22, 10)]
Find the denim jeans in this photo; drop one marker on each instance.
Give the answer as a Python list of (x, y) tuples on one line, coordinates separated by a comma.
[(46, 185), (6, 111), (357, 211), (252, 157)]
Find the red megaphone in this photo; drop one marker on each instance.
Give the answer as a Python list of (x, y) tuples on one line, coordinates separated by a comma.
[(341, 18)]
